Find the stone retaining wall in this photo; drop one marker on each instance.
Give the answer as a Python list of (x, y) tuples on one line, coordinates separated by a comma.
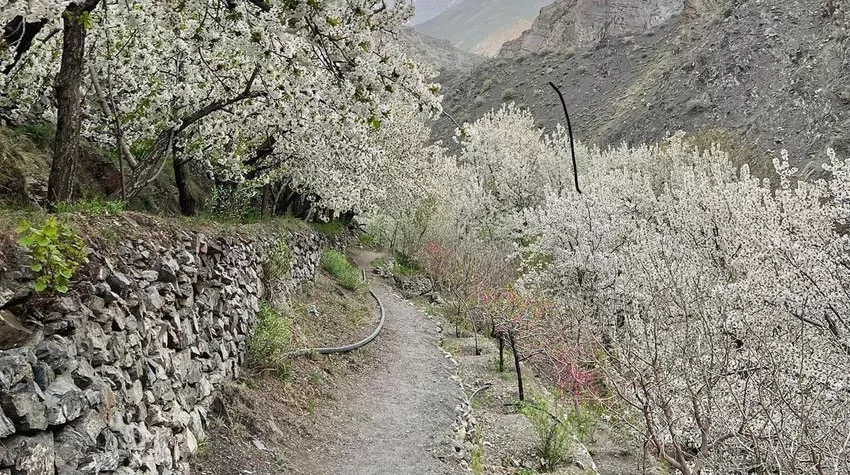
[(117, 375)]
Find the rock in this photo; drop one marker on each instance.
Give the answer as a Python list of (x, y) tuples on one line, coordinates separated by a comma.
[(7, 428), (56, 351), (15, 366), (90, 425), (71, 446), (43, 374), (190, 443), (168, 271), (31, 455), (12, 332), (106, 458), (152, 298), (65, 401), (25, 406), (119, 283), (578, 455)]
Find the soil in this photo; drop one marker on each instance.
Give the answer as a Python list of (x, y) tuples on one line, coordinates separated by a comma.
[(510, 441), (387, 408)]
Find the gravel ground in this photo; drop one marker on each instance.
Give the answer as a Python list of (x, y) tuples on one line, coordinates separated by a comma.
[(397, 419), (385, 409)]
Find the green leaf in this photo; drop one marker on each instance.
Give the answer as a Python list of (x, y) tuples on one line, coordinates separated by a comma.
[(40, 285), (36, 267), (62, 289)]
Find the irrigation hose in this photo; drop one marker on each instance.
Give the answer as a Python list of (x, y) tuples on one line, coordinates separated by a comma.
[(359, 344)]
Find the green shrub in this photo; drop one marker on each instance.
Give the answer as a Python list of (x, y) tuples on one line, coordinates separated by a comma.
[(272, 338), (344, 272), (92, 207), (56, 252)]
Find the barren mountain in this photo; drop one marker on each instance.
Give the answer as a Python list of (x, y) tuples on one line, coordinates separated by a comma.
[(482, 26), (428, 9), (755, 76), (437, 53)]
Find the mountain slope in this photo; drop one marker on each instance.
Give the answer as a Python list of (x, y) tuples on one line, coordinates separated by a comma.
[(757, 78), (483, 25), (437, 53), (428, 9), (577, 23)]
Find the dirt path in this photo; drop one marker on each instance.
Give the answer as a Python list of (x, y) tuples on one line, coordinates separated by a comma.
[(397, 418)]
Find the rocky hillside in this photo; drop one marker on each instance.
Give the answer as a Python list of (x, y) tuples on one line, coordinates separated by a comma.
[(439, 54), (756, 77), (577, 23), (482, 26)]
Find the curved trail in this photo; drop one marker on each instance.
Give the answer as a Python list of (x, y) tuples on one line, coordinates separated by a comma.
[(397, 418)]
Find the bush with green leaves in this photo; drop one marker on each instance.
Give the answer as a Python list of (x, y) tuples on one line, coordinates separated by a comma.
[(56, 252), (272, 338), (341, 269)]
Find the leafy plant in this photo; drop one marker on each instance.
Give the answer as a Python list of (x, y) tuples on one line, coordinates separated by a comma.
[(344, 272), (272, 337), (56, 252)]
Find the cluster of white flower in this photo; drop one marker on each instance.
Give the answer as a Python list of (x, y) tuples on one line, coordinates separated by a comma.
[(715, 304), (324, 81)]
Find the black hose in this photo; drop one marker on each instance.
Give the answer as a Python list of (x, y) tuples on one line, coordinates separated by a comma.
[(363, 342)]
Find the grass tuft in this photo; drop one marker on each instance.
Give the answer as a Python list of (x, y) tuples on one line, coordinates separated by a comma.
[(341, 269), (92, 207), (272, 338), (331, 228)]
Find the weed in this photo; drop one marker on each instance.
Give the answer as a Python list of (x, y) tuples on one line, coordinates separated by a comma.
[(331, 228), (317, 378), (450, 346), (367, 240), (280, 261), (526, 471), (557, 427), (477, 457), (552, 427), (405, 265), (341, 269), (56, 252), (203, 448), (272, 338), (41, 134), (92, 207)]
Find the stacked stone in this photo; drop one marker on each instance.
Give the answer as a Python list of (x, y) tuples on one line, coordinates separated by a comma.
[(117, 375)]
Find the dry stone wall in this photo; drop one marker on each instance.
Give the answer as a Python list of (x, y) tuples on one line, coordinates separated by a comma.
[(117, 375)]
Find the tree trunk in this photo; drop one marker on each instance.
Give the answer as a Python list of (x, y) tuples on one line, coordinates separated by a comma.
[(188, 203), (512, 341), (501, 354), (66, 148)]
